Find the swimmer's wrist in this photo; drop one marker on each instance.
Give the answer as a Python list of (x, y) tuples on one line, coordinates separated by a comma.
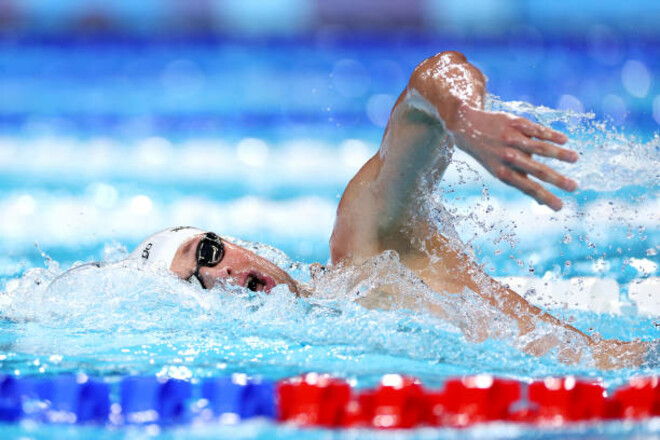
[(459, 120), (462, 126)]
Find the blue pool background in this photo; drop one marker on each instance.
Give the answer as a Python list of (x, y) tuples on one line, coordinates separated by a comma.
[(285, 124), (108, 133)]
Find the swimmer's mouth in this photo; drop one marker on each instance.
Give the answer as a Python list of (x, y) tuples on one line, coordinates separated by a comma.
[(258, 283)]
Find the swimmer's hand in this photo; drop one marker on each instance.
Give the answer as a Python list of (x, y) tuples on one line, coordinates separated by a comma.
[(609, 354), (505, 144)]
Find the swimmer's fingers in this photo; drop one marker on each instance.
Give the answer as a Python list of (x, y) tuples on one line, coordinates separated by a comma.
[(545, 149), (529, 187), (527, 165), (538, 131), (531, 130)]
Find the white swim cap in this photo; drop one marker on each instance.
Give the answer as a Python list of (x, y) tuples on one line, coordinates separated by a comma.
[(160, 248)]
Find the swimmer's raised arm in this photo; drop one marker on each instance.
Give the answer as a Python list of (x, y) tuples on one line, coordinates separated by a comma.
[(384, 206), (442, 105)]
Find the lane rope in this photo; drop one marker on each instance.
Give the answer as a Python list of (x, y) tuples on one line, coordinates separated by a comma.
[(320, 400)]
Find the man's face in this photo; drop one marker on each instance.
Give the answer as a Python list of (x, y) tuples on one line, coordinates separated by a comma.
[(238, 266)]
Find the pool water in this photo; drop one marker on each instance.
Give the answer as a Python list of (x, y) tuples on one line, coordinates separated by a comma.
[(103, 144)]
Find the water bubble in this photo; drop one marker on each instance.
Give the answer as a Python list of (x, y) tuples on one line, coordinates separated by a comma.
[(570, 102), (379, 108), (614, 107), (656, 109), (25, 205), (568, 238), (350, 78), (141, 205), (103, 195), (252, 152), (636, 78)]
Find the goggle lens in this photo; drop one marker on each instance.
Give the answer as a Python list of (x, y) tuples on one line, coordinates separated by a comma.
[(210, 250)]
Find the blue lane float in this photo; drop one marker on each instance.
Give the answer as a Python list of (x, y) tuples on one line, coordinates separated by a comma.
[(141, 400), (65, 398), (239, 397)]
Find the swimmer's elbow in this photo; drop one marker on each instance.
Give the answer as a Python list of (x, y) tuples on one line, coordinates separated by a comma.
[(448, 82), (441, 67), (447, 70), (452, 55)]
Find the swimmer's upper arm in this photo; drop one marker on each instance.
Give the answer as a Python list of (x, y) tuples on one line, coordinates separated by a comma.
[(354, 225), (379, 201)]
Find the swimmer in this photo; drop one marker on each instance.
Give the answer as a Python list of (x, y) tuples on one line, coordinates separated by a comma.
[(383, 207)]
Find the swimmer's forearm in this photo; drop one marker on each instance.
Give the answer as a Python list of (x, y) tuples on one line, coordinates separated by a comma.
[(525, 313), (550, 319)]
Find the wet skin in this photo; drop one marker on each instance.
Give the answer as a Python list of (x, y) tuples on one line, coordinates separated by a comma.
[(239, 266)]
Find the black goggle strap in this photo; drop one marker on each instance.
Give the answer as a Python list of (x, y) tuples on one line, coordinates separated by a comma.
[(198, 277)]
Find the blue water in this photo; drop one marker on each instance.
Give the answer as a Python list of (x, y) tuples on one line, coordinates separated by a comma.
[(101, 145)]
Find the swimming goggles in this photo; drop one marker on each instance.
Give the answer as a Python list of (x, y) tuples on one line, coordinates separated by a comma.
[(210, 251)]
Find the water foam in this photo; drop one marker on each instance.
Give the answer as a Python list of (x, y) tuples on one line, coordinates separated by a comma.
[(123, 318)]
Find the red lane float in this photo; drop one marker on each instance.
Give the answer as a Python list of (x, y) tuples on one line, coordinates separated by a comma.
[(401, 402), (475, 399), (313, 400), (639, 399), (398, 402), (558, 400)]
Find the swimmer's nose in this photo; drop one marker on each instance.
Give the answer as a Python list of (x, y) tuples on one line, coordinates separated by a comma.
[(220, 272), (226, 271)]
